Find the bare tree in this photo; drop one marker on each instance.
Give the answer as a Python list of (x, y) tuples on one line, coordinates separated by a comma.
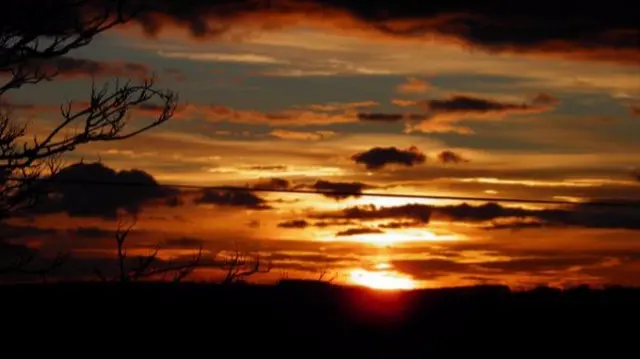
[(325, 276), (19, 260), (146, 267), (240, 265), (34, 34)]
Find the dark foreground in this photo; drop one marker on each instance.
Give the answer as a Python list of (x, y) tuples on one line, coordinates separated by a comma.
[(313, 319)]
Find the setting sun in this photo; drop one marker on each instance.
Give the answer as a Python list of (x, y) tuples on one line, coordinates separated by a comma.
[(383, 280)]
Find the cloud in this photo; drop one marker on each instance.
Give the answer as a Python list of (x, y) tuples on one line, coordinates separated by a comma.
[(445, 114), (545, 99), (404, 103), (340, 106), (580, 215), (448, 157), (317, 114), (183, 243), (339, 190), (301, 136), (273, 183), (413, 86), (500, 27), (475, 105), (176, 74), (71, 67), (94, 190), (92, 232), (551, 262), (379, 157), (417, 212), (358, 231), (221, 57), (298, 223), (232, 198), (390, 117), (400, 225), (431, 268), (289, 117)]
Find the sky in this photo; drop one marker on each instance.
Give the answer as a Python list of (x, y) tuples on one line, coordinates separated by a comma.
[(450, 98)]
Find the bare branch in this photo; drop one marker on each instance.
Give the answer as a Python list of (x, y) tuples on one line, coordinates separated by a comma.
[(29, 39), (243, 264), (146, 267)]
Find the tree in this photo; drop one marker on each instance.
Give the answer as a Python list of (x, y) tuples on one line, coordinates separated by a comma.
[(146, 267), (34, 34), (238, 265)]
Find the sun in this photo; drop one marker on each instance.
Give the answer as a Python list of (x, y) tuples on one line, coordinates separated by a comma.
[(383, 280)]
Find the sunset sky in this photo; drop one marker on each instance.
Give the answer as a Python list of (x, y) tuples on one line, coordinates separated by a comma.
[(453, 98)]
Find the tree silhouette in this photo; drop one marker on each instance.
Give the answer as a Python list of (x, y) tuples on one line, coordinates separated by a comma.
[(146, 267), (33, 35), (242, 264)]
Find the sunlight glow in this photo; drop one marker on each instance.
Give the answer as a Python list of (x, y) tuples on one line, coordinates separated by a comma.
[(383, 280)]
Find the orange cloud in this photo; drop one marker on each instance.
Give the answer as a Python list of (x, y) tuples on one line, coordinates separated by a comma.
[(447, 113), (413, 85), (301, 136), (403, 103), (296, 116), (443, 115)]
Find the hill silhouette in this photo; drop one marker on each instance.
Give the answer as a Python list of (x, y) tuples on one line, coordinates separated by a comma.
[(315, 319)]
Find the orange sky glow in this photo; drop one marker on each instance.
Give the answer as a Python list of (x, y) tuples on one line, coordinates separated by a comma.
[(286, 99)]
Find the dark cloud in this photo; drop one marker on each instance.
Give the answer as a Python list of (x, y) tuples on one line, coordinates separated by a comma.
[(432, 268), (545, 99), (232, 198), (587, 216), (334, 223), (273, 183), (443, 115), (75, 67), (298, 223), (448, 157), (380, 157), (358, 231), (183, 243), (339, 190), (468, 104), (417, 212), (94, 190), (550, 262), (391, 117), (308, 257), (14, 232), (496, 27), (91, 232), (400, 225), (542, 264)]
